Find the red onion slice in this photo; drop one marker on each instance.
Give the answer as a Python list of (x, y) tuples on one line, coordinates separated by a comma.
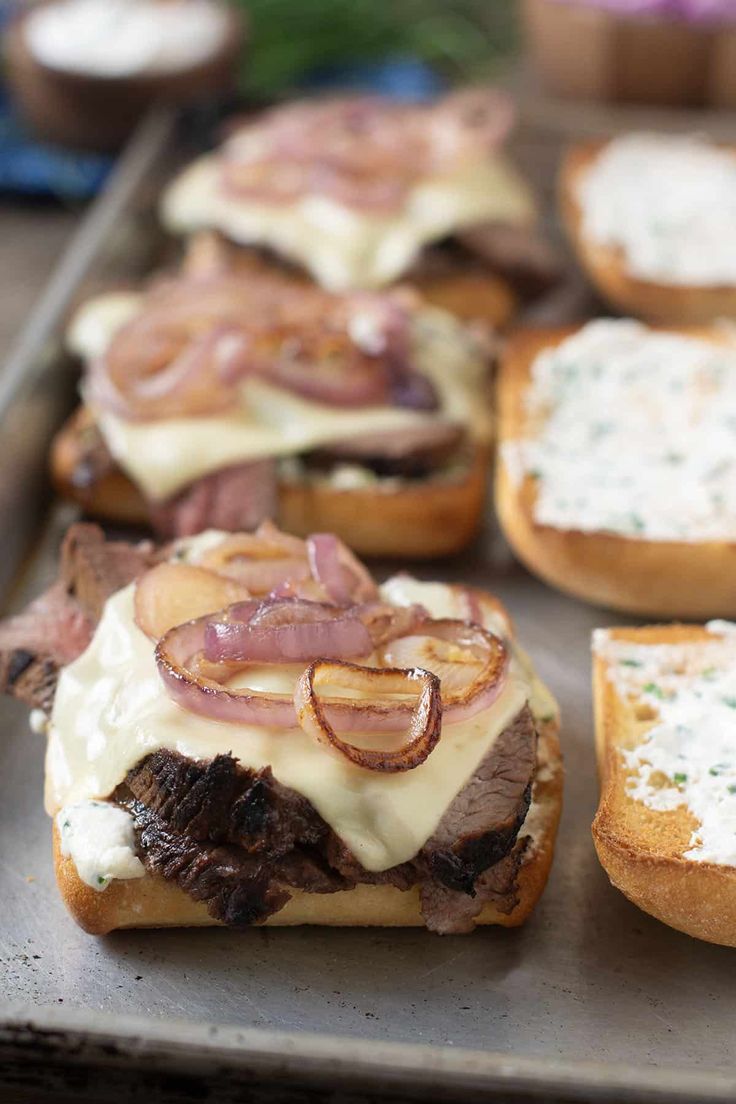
[(486, 658), (288, 630), (261, 561), (343, 576), (425, 722)]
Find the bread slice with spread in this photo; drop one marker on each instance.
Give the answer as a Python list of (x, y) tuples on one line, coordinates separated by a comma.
[(652, 219), (614, 479), (246, 729), (665, 719)]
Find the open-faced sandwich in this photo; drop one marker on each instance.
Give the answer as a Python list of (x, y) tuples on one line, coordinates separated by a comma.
[(233, 392), (246, 729), (652, 218), (363, 191), (665, 830), (616, 478)]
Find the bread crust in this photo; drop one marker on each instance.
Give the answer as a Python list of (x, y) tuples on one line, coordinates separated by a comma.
[(653, 578), (152, 902), (606, 266), (641, 849), (471, 295), (421, 519)]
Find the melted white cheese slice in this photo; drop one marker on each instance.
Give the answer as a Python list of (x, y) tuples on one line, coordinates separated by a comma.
[(342, 247), (163, 456), (111, 710)]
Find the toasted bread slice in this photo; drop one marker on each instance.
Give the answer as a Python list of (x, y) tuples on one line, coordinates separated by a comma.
[(153, 902), (695, 580), (606, 266), (642, 849), (418, 518)]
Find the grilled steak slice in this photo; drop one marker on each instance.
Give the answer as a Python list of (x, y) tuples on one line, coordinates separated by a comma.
[(58, 626), (221, 802), (450, 912), (93, 568), (239, 497), (36, 643), (211, 825), (483, 821), (520, 253)]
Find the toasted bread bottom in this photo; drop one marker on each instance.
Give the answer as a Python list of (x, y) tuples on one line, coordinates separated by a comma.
[(153, 902), (421, 519), (470, 295), (606, 266), (641, 849), (655, 578)]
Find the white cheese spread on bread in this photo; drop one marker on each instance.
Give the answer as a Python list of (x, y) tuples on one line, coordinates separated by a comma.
[(668, 202), (342, 247), (632, 431), (687, 758), (111, 710), (99, 839), (163, 456)]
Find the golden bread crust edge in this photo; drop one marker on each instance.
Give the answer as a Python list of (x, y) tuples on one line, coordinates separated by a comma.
[(152, 902), (421, 520), (606, 266), (653, 578), (639, 856)]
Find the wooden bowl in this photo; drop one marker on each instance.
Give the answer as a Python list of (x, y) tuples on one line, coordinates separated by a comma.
[(585, 52), (99, 113)]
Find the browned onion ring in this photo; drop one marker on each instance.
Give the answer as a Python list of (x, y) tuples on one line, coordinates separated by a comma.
[(425, 723)]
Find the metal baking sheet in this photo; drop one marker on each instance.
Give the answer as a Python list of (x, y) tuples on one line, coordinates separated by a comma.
[(592, 1000)]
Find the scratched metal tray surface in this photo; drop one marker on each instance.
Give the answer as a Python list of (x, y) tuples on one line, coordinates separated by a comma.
[(592, 1000)]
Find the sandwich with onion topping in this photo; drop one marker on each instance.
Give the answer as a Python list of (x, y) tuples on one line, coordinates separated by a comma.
[(245, 729), (231, 392), (362, 191)]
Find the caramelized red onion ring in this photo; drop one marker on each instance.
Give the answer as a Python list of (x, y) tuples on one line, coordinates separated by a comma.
[(482, 653), (195, 339), (343, 576), (364, 152), (425, 722), (260, 560), (286, 630)]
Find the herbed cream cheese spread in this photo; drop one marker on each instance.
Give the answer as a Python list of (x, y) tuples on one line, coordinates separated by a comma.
[(111, 710), (99, 838), (669, 203), (342, 247), (164, 456), (632, 431), (688, 757)]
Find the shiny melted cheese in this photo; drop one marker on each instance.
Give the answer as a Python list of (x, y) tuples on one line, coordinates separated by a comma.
[(342, 247), (163, 456), (111, 710)]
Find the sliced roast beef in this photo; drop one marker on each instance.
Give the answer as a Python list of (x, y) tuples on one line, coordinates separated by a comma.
[(483, 821), (451, 912), (94, 568), (52, 631), (222, 802), (235, 498), (209, 825), (519, 253), (58, 626)]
